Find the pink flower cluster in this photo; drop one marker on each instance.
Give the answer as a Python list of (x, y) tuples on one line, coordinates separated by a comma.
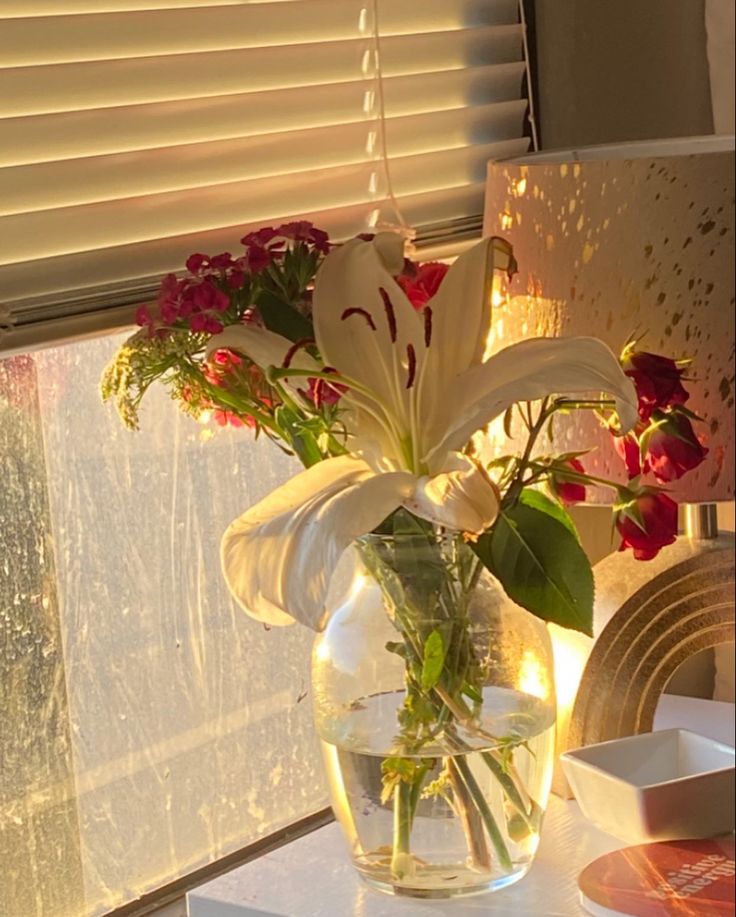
[(199, 300), (268, 244), (225, 370)]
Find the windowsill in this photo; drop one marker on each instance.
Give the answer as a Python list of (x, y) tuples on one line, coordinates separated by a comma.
[(312, 877)]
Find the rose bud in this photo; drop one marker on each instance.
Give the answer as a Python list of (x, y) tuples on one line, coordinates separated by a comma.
[(647, 522), (672, 447), (657, 380), (567, 491)]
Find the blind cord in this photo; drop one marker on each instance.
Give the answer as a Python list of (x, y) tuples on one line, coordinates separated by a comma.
[(528, 70), (401, 223)]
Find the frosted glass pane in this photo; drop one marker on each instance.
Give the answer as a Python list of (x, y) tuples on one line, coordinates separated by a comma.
[(148, 726)]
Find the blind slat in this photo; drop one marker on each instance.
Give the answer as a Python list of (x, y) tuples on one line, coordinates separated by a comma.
[(69, 135), (94, 179), (109, 36), (23, 8), (73, 87), (107, 224), (30, 280)]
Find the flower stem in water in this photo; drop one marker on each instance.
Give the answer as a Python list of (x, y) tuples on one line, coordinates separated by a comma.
[(480, 855), (401, 862), (485, 813)]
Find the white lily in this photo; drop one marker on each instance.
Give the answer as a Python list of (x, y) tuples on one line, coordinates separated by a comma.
[(418, 389)]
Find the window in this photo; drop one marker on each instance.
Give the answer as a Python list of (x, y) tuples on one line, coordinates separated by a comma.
[(148, 726)]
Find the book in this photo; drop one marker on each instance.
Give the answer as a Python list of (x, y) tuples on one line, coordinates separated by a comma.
[(689, 878)]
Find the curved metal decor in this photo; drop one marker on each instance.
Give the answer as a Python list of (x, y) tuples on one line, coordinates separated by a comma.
[(687, 608)]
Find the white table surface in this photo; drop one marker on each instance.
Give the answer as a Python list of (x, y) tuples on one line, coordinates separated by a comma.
[(312, 876)]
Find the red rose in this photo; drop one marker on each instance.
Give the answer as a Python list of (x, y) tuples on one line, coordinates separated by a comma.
[(647, 523), (658, 381), (424, 284), (673, 449), (568, 492), (630, 451)]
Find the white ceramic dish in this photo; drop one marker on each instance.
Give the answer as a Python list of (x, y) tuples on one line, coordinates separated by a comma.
[(656, 786)]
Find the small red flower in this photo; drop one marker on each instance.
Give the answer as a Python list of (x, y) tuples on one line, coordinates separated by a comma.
[(658, 381), (424, 284), (323, 392), (143, 317), (673, 449), (207, 297), (228, 419), (258, 258), (647, 523), (569, 492), (197, 262)]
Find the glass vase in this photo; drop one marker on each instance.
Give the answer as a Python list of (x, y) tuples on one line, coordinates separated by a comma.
[(434, 703)]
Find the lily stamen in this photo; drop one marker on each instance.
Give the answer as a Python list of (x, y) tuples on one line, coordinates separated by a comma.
[(356, 310), (427, 312), (293, 351), (390, 314), (412, 368)]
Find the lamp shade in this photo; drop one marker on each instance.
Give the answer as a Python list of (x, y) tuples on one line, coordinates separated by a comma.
[(630, 239)]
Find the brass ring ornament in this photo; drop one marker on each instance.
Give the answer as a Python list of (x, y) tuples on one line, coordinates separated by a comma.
[(687, 608)]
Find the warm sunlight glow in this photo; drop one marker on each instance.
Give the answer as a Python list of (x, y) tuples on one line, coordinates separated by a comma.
[(322, 651), (340, 804), (571, 650), (533, 676)]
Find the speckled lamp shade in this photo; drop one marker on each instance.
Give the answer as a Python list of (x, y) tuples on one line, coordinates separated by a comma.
[(629, 239)]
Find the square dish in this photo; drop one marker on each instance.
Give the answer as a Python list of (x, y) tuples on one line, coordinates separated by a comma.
[(656, 786)]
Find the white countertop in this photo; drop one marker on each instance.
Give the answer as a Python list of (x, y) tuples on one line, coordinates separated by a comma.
[(312, 876)]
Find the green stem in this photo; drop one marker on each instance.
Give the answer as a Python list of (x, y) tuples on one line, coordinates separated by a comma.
[(468, 814), (568, 474), (509, 782), (401, 862), (485, 813), (585, 404)]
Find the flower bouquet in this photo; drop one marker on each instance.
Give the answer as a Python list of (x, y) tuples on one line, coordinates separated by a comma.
[(432, 683)]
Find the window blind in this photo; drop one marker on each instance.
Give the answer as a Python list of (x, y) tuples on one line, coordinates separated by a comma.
[(136, 131)]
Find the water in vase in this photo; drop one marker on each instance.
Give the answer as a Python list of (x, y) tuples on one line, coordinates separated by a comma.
[(452, 847)]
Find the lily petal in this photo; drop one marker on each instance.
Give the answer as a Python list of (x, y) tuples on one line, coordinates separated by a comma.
[(390, 248), (263, 347), (462, 497), (460, 322), (464, 299), (529, 371), (367, 344), (279, 556)]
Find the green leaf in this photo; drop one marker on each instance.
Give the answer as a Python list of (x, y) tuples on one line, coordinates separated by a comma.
[(540, 563), (539, 501), (434, 659), (282, 318)]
